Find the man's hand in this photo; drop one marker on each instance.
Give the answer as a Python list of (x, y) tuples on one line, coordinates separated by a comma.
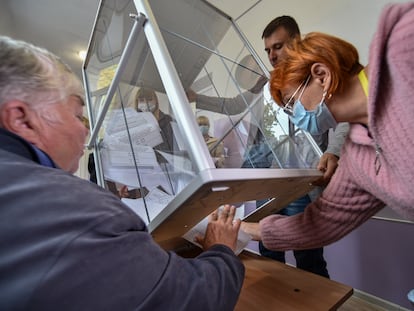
[(191, 95), (327, 164), (221, 229), (253, 229)]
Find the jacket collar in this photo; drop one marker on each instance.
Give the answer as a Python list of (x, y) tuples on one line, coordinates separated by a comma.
[(15, 144)]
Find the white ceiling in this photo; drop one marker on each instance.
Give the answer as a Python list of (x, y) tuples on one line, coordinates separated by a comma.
[(64, 26), (61, 26)]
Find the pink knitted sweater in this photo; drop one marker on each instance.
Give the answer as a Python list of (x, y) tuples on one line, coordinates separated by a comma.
[(376, 167)]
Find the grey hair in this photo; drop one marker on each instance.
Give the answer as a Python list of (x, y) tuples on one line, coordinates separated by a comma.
[(34, 75)]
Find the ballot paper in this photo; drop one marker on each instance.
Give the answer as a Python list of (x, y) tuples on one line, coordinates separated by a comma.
[(125, 156), (155, 202), (139, 207), (148, 178), (157, 196), (242, 239), (129, 126), (179, 163)]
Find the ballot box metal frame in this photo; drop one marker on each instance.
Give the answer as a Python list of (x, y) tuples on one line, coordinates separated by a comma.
[(210, 187)]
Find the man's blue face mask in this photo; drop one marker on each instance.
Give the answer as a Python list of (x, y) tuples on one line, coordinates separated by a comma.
[(316, 121)]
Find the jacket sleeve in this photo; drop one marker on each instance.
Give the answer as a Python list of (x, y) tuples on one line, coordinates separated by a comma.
[(112, 263), (212, 281), (228, 106), (232, 105)]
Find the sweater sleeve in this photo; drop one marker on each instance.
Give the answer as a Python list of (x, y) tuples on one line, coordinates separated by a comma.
[(212, 281), (342, 207)]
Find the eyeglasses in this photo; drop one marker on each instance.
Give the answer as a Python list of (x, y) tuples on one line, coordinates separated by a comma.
[(288, 107)]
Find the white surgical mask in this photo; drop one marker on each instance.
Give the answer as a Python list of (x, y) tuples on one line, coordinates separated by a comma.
[(146, 106), (204, 129)]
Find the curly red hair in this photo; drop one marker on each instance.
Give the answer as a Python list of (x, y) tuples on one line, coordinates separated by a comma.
[(340, 56)]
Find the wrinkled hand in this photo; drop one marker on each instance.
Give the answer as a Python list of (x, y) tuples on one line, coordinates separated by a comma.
[(327, 164), (253, 229), (221, 229)]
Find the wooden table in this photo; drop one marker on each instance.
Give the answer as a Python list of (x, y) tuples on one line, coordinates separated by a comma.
[(271, 285)]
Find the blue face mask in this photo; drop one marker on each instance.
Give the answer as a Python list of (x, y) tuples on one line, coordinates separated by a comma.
[(204, 129), (316, 122)]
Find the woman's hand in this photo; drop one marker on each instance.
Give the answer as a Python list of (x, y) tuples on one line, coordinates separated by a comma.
[(327, 164), (252, 228)]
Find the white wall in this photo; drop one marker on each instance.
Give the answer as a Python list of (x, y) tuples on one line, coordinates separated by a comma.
[(5, 21), (352, 20)]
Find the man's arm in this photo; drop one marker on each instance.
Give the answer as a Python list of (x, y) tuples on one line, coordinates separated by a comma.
[(329, 160), (107, 260), (337, 138), (229, 105)]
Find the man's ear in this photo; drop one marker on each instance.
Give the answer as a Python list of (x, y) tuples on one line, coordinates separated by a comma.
[(321, 73), (18, 118)]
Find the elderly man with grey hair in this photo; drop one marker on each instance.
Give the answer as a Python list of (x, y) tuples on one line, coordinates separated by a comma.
[(67, 244)]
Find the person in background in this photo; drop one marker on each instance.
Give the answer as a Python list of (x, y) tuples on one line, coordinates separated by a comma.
[(275, 35), (216, 148), (146, 100), (67, 244), (321, 81)]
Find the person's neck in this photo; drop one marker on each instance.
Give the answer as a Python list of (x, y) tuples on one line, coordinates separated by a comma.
[(351, 105)]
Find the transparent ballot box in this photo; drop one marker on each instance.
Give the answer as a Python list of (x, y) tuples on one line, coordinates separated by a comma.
[(152, 68)]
